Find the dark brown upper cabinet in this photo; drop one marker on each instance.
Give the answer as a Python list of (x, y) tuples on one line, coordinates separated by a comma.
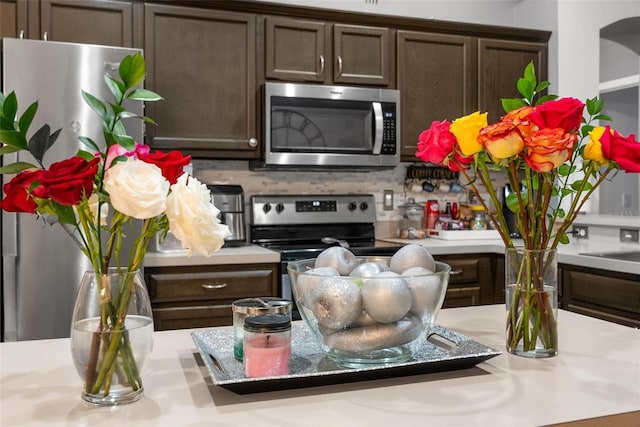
[(500, 64), (76, 21), (87, 21), (323, 52), (436, 79), (202, 61)]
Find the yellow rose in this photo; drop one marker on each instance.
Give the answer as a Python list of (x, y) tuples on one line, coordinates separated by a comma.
[(466, 130), (593, 149)]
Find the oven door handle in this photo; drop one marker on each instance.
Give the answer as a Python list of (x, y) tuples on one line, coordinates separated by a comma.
[(378, 125)]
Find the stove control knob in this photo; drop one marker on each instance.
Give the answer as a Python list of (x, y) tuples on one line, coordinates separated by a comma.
[(364, 206), (279, 207), (266, 208), (353, 206)]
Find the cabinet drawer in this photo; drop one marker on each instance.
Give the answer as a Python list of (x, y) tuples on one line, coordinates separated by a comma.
[(212, 285), (613, 294), (192, 317), (462, 297), (463, 270)]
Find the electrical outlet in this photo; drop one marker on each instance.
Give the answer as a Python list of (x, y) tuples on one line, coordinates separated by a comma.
[(387, 200), (581, 231)]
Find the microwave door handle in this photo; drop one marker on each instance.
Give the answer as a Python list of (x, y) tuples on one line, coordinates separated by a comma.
[(378, 125)]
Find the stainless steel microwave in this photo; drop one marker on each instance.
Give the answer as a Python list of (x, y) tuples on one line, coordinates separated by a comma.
[(328, 127)]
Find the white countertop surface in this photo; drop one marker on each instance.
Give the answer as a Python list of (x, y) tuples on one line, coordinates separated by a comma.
[(567, 254), (596, 373), (248, 254)]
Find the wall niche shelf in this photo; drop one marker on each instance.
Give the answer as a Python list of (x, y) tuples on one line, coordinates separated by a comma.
[(622, 83)]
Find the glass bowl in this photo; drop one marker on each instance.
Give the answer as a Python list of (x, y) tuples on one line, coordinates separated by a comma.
[(371, 319)]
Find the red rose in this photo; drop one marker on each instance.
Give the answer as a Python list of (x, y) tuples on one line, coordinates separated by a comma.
[(172, 163), (624, 151), (65, 182), (436, 143), (565, 113), (19, 192)]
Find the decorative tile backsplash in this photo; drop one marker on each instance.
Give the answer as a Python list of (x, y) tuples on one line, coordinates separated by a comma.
[(312, 182)]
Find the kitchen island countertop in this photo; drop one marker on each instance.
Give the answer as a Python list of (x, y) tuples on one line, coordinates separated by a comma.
[(596, 373)]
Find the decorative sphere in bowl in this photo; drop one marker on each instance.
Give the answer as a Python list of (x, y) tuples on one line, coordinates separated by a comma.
[(374, 315)]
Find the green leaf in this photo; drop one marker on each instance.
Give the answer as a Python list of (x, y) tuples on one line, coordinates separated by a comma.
[(564, 239), (65, 214), (27, 118), (39, 142), (564, 170), (132, 69), (560, 213), (85, 155), (96, 105), (526, 87), (126, 141), (510, 104), (8, 149), (13, 138), (530, 72), (594, 106), (90, 143), (603, 117), (546, 98), (144, 95), (542, 86), (566, 191), (17, 167), (115, 86), (10, 107), (512, 202), (149, 120)]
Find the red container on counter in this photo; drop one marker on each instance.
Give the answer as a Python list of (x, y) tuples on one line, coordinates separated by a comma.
[(432, 213)]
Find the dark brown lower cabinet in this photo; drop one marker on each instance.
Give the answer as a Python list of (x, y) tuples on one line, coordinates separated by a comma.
[(603, 294), (471, 281), (201, 296)]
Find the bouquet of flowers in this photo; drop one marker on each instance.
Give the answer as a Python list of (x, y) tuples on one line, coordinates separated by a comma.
[(550, 154), (98, 194)]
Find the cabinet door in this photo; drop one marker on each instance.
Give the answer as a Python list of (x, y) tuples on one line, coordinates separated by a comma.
[(436, 77), (295, 49), (501, 64), (13, 18), (87, 21), (362, 55), (203, 63), (471, 281)]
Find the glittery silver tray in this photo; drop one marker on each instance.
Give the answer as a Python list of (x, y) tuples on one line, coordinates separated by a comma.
[(444, 350)]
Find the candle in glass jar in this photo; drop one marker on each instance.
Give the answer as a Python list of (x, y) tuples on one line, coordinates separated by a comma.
[(267, 345)]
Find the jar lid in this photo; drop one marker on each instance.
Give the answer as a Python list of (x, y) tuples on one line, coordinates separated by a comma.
[(267, 323), (261, 305)]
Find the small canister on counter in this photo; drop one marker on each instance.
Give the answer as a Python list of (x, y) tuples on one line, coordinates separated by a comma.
[(432, 214), (247, 307), (267, 345)]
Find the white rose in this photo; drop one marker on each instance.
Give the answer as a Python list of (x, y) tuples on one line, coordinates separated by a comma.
[(137, 189), (193, 218), (93, 207)]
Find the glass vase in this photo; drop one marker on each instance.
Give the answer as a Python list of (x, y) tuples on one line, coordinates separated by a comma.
[(111, 336), (531, 285)]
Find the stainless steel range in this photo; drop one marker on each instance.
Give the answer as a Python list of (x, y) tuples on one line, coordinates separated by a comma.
[(302, 226)]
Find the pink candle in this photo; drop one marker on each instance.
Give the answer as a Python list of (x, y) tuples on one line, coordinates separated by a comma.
[(266, 355)]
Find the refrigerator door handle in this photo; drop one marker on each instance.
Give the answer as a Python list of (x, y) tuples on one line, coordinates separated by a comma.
[(9, 282)]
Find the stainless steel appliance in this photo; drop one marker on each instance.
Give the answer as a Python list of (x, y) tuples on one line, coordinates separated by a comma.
[(302, 226), (330, 127), (229, 199), (41, 266)]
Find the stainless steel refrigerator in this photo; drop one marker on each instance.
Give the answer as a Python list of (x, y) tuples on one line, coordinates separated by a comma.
[(41, 266)]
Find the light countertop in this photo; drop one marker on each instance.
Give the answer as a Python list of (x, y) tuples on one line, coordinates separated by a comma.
[(248, 254), (596, 373)]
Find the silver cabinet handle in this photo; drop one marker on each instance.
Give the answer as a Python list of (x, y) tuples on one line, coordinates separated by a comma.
[(339, 65), (213, 286), (253, 142), (455, 272), (21, 36), (45, 36), (321, 65)]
